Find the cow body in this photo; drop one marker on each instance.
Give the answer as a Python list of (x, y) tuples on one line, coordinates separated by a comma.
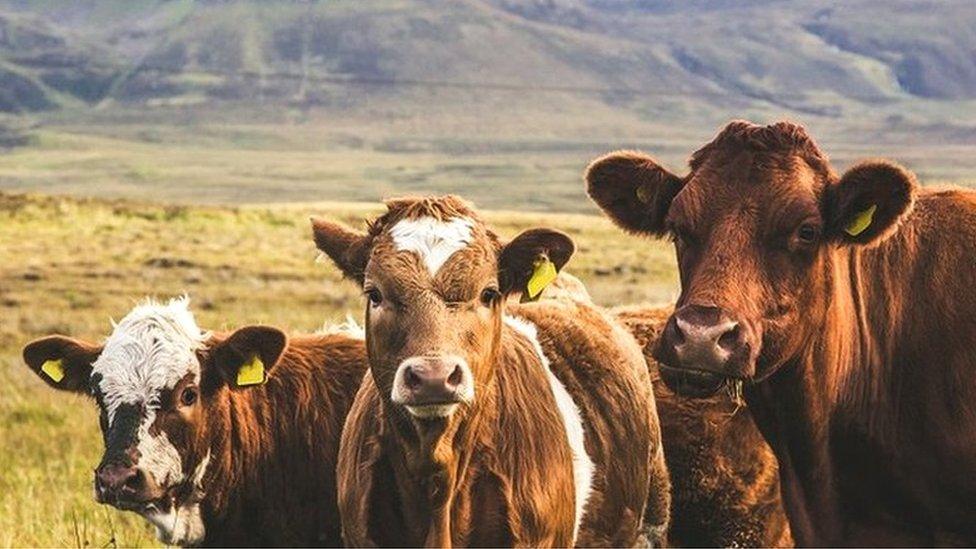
[(725, 488), (513, 489), (206, 454), (544, 433), (884, 452), (271, 479), (845, 306)]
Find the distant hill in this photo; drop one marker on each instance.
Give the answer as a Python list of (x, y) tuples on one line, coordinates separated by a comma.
[(534, 86), (793, 54)]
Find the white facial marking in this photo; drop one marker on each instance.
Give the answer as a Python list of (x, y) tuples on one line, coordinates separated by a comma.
[(149, 351), (157, 455), (183, 524), (433, 240), (572, 421)]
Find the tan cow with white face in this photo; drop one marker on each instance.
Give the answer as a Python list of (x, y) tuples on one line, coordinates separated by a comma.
[(483, 423), (203, 430)]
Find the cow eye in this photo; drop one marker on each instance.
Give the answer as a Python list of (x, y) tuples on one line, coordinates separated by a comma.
[(807, 233), (489, 296), (374, 296), (189, 396)]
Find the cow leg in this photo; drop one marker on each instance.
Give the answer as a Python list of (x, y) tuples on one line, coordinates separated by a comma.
[(657, 516)]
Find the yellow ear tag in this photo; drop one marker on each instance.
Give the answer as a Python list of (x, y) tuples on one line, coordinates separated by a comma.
[(861, 221), (54, 370), (542, 276), (251, 373)]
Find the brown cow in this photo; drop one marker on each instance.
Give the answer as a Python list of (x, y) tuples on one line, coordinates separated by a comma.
[(724, 479), (486, 424), (846, 306), (196, 450)]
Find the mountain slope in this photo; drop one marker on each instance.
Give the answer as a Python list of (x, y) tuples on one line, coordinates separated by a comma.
[(757, 52)]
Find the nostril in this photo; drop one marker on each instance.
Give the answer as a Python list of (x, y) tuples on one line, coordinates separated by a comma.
[(136, 481), (456, 377), (677, 334), (411, 378), (730, 339)]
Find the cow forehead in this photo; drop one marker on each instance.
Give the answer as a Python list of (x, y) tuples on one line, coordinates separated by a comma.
[(433, 240), (759, 183), (151, 349), (755, 172)]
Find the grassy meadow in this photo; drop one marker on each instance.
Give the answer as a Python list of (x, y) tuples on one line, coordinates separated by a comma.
[(173, 147), (228, 155), (127, 205), (68, 265)]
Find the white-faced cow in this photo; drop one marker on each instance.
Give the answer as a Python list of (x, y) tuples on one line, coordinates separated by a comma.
[(221, 440), (847, 307), (483, 423)]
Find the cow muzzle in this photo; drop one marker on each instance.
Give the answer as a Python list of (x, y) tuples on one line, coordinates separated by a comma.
[(702, 348), (124, 486), (433, 386)]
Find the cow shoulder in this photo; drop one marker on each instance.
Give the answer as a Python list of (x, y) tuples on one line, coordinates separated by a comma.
[(526, 446), (583, 345), (932, 253), (603, 370), (336, 358)]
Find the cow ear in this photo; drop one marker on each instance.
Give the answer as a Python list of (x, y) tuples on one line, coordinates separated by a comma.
[(633, 190), (869, 202), (63, 362), (347, 248), (248, 355), (531, 261)]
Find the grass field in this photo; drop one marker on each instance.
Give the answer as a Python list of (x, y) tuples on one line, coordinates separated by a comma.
[(219, 158), (69, 265)]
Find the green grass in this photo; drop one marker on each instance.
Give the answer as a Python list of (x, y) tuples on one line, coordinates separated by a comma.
[(221, 161), (69, 265)]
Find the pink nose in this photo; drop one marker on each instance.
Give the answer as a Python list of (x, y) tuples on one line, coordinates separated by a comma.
[(432, 380), (115, 482)]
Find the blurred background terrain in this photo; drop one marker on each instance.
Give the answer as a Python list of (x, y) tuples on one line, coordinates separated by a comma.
[(226, 102), (162, 147)]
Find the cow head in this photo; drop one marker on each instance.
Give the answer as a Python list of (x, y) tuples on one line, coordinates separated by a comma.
[(158, 381), (434, 279), (757, 224)]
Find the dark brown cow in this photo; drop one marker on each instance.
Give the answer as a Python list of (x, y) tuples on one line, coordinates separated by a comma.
[(487, 424), (845, 304), (192, 446), (724, 479)]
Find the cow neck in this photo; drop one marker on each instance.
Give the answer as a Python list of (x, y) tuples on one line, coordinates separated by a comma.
[(430, 464), (813, 397), (239, 435)]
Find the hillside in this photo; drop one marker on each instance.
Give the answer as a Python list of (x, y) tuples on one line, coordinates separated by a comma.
[(470, 96), (806, 56)]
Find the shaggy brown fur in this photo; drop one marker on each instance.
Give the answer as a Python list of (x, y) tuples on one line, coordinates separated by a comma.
[(724, 479), (271, 475), (498, 469), (272, 480), (859, 363)]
